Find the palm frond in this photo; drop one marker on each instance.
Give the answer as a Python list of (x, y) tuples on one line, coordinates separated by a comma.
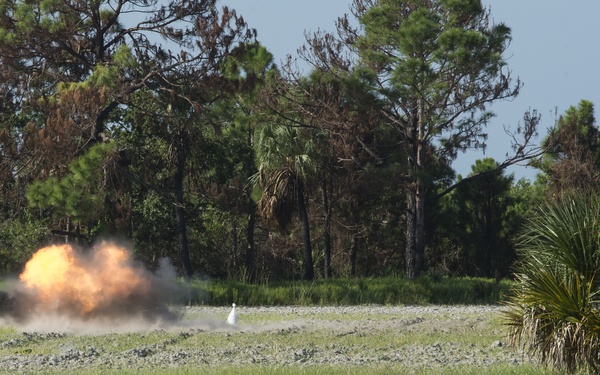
[(277, 202), (554, 310), (287, 162)]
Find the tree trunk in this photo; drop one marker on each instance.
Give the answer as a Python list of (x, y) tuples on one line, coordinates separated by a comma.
[(489, 243), (355, 245), (411, 223), (250, 246), (309, 271), (184, 252), (493, 245), (233, 259), (353, 253), (249, 258), (68, 229), (327, 227), (415, 199), (415, 231)]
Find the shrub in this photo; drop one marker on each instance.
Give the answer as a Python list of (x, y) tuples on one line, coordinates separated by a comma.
[(381, 291), (554, 308)]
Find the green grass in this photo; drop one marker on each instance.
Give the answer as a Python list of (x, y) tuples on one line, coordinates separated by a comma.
[(326, 370), (375, 335), (382, 291), (458, 333), (321, 370)]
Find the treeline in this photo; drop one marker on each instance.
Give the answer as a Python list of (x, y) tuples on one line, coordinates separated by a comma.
[(168, 126)]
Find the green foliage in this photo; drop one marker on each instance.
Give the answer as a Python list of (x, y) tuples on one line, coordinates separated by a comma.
[(286, 157), (483, 209), (247, 65), (383, 291), (87, 83), (426, 37), (286, 147), (154, 235), (474, 226), (572, 162), (20, 236), (555, 307), (79, 194), (107, 75), (435, 66)]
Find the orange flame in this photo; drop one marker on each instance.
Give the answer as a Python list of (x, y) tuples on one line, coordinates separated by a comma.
[(85, 284)]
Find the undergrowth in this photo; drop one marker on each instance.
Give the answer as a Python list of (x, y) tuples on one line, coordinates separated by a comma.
[(381, 291)]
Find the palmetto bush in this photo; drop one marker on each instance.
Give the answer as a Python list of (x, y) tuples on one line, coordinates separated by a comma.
[(555, 308)]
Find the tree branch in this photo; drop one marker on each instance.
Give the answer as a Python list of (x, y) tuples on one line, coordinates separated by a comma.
[(523, 151)]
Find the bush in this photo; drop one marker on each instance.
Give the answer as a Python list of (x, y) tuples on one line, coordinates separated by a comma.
[(554, 309)]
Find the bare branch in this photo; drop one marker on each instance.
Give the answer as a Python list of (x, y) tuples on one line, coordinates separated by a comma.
[(523, 151)]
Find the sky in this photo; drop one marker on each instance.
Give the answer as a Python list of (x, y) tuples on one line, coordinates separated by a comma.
[(555, 52)]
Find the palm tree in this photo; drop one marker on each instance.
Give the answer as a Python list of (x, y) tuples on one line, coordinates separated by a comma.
[(285, 157), (555, 307)]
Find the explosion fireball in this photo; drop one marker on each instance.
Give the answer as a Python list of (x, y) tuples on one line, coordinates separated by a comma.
[(104, 283)]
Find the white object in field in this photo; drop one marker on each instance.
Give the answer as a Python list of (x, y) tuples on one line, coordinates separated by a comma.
[(233, 315)]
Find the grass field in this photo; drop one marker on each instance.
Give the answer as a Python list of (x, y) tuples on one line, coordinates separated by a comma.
[(277, 340), (375, 326)]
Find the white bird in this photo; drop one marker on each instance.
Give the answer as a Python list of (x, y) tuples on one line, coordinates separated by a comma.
[(233, 315)]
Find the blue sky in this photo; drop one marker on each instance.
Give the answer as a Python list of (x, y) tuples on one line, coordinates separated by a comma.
[(555, 52)]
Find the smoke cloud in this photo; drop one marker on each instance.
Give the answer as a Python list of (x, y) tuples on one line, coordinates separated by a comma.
[(99, 289)]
